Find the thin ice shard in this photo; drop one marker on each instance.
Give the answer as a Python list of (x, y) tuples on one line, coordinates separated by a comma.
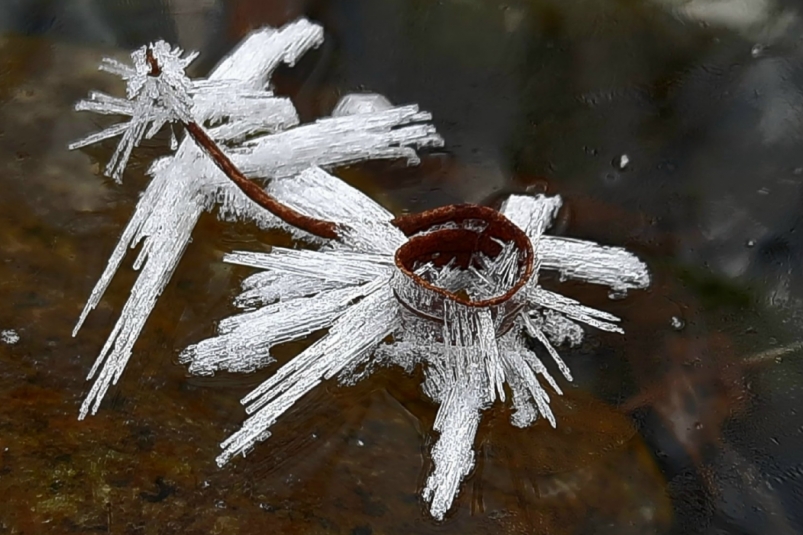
[(325, 352), (472, 380), (453, 454), (327, 143), (485, 278), (532, 214), (538, 334), (265, 288), (387, 134), (375, 317), (245, 340), (340, 266), (235, 111), (529, 397), (572, 309), (470, 348), (574, 259), (316, 193), (587, 261)]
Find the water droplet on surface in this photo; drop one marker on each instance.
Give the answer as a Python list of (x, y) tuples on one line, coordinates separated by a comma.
[(757, 50), (750, 243), (677, 323), (360, 443), (621, 162)]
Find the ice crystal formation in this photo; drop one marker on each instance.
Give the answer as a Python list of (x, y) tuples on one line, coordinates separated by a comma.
[(262, 135), (9, 337), (454, 290), (359, 286), (151, 100)]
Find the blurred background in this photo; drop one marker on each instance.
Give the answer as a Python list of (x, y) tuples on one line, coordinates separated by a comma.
[(671, 127)]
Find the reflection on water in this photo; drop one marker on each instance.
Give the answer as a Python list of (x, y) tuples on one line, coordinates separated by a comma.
[(688, 424)]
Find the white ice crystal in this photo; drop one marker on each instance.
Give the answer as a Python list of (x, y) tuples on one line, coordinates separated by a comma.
[(9, 337), (260, 134), (152, 101), (374, 316)]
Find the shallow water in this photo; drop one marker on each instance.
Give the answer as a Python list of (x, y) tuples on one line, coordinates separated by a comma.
[(687, 424)]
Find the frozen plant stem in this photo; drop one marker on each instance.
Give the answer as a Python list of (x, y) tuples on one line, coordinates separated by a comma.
[(260, 133), (453, 290), (456, 292), (317, 227)]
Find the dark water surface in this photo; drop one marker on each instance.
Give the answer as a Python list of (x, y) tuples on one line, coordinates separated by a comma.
[(688, 424)]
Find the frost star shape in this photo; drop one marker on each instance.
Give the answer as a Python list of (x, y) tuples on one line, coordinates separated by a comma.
[(150, 100), (261, 135), (381, 308)]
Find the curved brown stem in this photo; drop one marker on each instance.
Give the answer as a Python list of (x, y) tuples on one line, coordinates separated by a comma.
[(318, 227)]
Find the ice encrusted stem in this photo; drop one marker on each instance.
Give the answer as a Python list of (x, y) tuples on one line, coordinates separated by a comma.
[(454, 289), (220, 112), (169, 209), (317, 227), (372, 300)]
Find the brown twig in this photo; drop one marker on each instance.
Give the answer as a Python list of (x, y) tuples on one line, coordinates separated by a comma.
[(318, 227), (156, 70)]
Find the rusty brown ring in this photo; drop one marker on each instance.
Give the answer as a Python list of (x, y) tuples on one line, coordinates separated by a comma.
[(416, 246)]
